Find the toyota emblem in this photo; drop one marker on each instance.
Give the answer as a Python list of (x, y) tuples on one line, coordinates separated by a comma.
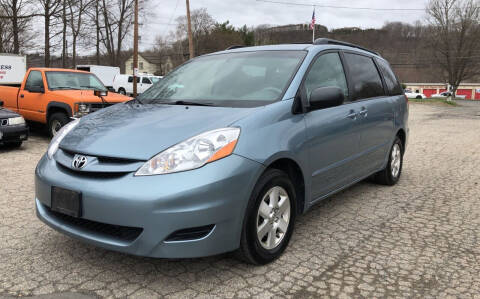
[(79, 161)]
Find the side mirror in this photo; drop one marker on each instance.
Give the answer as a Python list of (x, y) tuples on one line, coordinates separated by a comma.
[(100, 93), (1, 103), (36, 89), (326, 97)]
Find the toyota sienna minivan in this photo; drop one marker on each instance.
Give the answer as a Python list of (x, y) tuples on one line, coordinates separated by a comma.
[(226, 151)]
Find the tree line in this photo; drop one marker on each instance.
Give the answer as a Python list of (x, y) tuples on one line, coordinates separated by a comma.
[(68, 25), (445, 47)]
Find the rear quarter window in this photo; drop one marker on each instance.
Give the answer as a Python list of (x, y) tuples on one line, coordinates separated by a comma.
[(366, 80), (393, 86)]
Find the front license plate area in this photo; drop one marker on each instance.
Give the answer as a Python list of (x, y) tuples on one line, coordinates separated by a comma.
[(66, 202)]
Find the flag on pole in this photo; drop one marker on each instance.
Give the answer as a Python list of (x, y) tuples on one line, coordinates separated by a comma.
[(312, 25)]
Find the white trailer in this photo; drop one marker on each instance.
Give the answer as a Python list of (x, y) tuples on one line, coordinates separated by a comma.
[(106, 74), (12, 69)]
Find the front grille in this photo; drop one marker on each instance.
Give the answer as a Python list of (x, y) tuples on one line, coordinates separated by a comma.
[(3, 122), (97, 106), (122, 233), (190, 234), (92, 174)]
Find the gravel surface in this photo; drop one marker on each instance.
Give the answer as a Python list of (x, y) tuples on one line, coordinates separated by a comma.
[(420, 238)]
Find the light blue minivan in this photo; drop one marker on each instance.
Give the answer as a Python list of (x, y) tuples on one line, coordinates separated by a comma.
[(226, 151)]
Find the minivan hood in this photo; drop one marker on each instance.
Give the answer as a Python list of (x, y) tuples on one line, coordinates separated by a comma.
[(139, 132)]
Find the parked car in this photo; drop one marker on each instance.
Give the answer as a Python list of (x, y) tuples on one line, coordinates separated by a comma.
[(54, 96), (123, 84), (226, 151), (447, 94), (13, 129), (414, 95), (12, 69), (106, 74)]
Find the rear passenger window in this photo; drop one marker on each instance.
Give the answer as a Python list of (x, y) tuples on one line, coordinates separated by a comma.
[(366, 80), (327, 71), (34, 80), (393, 86), (130, 79)]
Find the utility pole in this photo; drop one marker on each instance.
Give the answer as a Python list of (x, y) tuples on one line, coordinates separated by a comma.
[(135, 51), (190, 37)]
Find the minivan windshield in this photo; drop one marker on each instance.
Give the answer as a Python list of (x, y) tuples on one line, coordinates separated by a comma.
[(73, 81), (243, 79)]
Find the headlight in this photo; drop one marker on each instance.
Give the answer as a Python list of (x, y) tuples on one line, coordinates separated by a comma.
[(53, 147), (81, 109), (193, 153), (15, 121)]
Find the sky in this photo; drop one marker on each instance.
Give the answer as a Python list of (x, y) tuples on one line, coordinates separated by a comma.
[(253, 13)]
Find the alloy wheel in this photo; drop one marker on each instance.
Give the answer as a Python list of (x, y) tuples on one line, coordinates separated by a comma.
[(55, 127), (273, 218), (396, 160)]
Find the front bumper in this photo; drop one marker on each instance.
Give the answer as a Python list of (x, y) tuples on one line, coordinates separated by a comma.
[(13, 133), (215, 195)]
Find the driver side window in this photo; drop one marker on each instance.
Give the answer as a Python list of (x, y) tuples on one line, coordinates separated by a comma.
[(34, 80), (327, 71)]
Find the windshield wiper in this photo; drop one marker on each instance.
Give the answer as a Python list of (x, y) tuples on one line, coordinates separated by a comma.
[(66, 88), (187, 103), (90, 87)]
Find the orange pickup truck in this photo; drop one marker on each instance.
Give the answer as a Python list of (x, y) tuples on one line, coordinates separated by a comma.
[(53, 96)]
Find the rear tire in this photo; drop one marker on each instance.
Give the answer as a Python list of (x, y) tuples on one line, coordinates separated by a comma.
[(391, 174), (122, 91), (56, 122), (14, 144), (419, 97), (269, 219)]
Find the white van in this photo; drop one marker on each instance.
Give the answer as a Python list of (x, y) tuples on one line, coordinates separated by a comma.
[(123, 84), (106, 74)]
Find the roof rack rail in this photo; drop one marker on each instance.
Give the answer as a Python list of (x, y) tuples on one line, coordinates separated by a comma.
[(327, 41), (235, 47)]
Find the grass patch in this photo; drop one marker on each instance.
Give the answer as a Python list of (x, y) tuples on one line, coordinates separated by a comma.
[(434, 101)]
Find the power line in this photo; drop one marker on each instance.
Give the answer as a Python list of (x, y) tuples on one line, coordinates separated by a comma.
[(340, 7), (171, 18)]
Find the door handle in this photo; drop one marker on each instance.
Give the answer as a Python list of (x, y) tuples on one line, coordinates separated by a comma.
[(352, 115), (22, 96), (364, 113)]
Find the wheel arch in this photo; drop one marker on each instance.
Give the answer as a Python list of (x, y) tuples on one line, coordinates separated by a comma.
[(294, 171), (403, 137), (54, 107)]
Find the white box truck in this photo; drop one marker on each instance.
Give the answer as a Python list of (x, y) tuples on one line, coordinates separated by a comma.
[(106, 74), (12, 69)]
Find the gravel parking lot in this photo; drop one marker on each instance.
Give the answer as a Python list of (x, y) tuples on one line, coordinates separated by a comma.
[(420, 238)]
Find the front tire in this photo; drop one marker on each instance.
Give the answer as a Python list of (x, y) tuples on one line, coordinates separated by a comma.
[(122, 91), (391, 174), (56, 122), (269, 220)]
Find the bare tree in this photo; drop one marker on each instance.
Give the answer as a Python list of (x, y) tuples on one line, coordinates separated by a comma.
[(202, 24), (51, 11), (64, 33), (454, 41), (117, 22), (16, 17), (77, 9)]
